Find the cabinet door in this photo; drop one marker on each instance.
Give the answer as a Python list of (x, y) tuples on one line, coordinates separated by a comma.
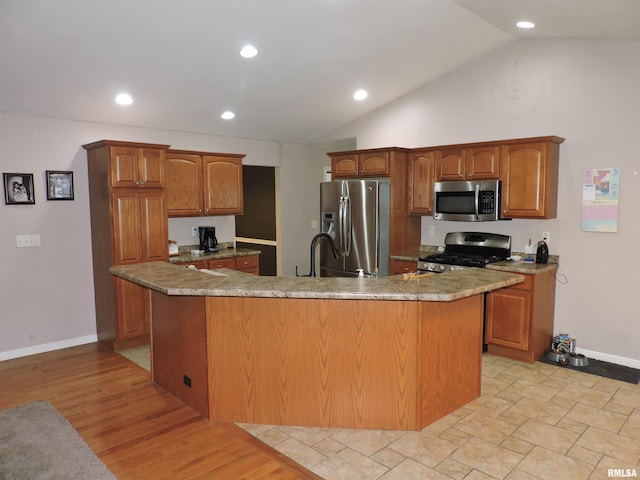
[(151, 168), (397, 267), (421, 178), (508, 318), (127, 227), (344, 165), (132, 309), (374, 164), (223, 186), (124, 166), (248, 264), (154, 227), (184, 185), (529, 181), (449, 164), (482, 162)]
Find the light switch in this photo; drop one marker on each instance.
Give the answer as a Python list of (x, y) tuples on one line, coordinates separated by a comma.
[(27, 240)]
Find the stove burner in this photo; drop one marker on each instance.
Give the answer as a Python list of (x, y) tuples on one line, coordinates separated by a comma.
[(467, 249), (478, 261)]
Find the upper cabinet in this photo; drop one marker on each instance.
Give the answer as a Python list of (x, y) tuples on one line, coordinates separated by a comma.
[(137, 167), (529, 174), (469, 163), (201, 183), (527, 168), (360, 164), (421, 178), (223, 193)]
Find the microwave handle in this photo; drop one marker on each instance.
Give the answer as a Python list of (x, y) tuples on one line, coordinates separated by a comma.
[(477, 201)]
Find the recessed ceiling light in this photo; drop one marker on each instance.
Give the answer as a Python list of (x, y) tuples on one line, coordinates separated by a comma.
[(228, 115), (360, 94), (249, 51), (525, 24), (124, 99)]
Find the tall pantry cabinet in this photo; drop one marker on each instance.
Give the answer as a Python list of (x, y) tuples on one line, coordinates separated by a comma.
[(128, 225)]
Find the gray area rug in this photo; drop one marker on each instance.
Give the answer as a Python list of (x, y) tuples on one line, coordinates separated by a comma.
[(37, 443)]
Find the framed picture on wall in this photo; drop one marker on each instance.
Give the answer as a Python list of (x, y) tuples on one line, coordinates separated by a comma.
[(18, 188), (59, 185)]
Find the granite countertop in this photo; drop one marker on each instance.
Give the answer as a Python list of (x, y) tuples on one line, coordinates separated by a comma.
[(444, 287), (224, 252)]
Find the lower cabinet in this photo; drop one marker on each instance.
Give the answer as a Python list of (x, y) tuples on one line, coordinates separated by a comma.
[(397, 267), (246, 263), (519, 319), (133, 314), (222, 263)]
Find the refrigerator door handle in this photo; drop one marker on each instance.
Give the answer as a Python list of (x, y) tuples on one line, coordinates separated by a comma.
[(341, 225), (346, 231)]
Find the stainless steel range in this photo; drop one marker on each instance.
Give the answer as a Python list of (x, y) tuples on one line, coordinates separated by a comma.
[(465, 250)]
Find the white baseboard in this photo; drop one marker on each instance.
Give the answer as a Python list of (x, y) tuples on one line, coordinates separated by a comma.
[(48, 347), (605, 357)]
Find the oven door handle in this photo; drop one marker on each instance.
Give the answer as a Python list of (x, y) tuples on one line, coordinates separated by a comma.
[(477, 201)]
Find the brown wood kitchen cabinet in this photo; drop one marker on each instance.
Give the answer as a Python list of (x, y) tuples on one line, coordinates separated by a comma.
[(200, 183), (248, 264), (519, 319), (421, 178), (478, 162), (529, 174), (392, 163), (374, 163), (128, 225), (242, 263), (398, 267)]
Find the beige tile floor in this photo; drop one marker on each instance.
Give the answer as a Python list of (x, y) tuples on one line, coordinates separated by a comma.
[(531, 422)]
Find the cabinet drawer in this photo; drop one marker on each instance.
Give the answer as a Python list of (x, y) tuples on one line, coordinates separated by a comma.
[(198, 264), (527, 285), (248, 262), (222, 263)]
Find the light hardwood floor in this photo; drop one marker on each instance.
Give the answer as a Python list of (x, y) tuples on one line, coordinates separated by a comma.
[(137, 429)]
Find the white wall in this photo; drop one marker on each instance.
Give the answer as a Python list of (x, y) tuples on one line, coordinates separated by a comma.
[(584, 91), (46, 294)]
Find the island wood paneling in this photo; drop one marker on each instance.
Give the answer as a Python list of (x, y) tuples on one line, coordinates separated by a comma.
[(178, 348), (342, 363), (451, 343)]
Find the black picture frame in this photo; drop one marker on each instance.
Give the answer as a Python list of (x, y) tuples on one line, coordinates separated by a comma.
[(18, 189), (59, 185)]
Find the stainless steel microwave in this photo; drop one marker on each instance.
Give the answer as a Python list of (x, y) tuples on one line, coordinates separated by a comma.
[(467, 201)]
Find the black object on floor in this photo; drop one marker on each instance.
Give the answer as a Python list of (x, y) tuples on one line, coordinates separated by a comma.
[(603, 369)]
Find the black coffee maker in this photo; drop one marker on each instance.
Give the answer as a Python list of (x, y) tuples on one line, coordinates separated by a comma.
[(208, 240)]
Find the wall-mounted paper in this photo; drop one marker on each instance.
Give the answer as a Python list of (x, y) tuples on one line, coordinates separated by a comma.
[(600, 193)]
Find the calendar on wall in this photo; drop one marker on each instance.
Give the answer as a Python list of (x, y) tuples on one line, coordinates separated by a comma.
[(600, 194)]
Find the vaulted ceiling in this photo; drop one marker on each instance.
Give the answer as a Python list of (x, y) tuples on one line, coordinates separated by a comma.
[(179, 59)]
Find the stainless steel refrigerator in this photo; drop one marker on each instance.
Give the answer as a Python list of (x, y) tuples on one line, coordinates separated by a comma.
[(356, 214)]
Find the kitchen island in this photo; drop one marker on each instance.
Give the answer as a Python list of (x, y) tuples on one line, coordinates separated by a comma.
[(381, 353)]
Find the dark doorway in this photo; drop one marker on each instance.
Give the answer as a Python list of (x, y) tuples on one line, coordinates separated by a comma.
[(257, 227)]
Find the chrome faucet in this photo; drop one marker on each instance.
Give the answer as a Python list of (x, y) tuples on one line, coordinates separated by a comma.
[(315, 239)]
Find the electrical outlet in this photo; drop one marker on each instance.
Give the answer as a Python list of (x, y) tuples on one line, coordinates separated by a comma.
[(432, 230), (546, 236), (194, 231), (27, 241)]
